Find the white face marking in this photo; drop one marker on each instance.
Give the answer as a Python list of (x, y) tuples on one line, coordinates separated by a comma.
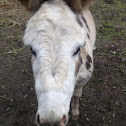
[(54, 75), (54, 38)]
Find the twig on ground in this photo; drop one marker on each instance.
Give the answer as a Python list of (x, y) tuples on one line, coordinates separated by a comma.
[(20, 56), (6, 53), (15, 51), (89, 88), (6, 98)]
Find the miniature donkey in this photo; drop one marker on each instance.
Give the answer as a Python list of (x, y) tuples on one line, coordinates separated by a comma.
[(61, 35)]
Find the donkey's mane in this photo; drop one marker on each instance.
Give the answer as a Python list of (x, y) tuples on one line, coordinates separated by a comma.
[(76, 5)]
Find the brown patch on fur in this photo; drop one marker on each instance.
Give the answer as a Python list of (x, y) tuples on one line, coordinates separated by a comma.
[(89, 59), (84, 20), (87, 65), (78, 5), (88, 36), (88, 62), (79, 21)]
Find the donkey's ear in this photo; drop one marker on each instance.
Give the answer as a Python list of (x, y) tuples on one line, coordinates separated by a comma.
[(78, 5), (32, 5)]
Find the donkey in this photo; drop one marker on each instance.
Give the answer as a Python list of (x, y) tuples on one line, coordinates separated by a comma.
[(61, 35)]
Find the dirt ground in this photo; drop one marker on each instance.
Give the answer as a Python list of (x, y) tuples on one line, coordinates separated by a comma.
[(104, 99)]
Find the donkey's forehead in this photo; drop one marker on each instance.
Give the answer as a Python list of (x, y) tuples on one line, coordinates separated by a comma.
[(61, 32), (46, 27), (62, 38)]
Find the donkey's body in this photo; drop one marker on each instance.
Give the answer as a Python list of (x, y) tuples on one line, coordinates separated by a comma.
[(62, 42)]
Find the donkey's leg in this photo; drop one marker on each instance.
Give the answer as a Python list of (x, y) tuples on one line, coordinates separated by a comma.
[(75, 101)]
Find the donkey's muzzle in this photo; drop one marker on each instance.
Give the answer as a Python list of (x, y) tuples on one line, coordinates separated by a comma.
[(61, 122)]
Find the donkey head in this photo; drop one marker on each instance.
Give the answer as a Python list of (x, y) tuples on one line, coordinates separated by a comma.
[(56, 39)]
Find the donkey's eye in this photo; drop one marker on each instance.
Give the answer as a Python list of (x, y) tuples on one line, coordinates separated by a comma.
[(76, 52), (33, 52)]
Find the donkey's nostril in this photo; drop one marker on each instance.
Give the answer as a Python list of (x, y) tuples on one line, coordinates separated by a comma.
[(38, 119), (63, 121)]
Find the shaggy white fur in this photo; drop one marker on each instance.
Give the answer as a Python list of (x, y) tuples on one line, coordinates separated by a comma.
[(54, 34)]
